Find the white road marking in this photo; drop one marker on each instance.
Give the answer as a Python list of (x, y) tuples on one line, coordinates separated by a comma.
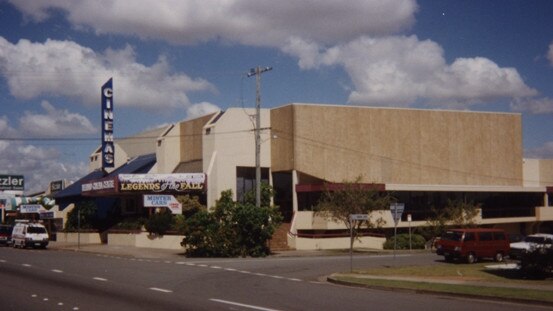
[(2, 261), (161, 290), (57, 271), (203, 266), (242, 305), (100, 279), (45, 299), (60, 303), (34, 295), (180, 263), (26, 265), (230, 269), (215, 267), (276, 276), (293, 279)]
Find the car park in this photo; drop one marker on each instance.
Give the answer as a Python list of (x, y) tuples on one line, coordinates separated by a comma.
[(5, 234), (28, 234), (530, 243), (472, 244)]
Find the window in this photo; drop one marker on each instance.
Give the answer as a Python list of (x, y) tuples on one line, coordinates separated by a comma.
[(499, 236), (486, 236), (469, 236), (245, 180)]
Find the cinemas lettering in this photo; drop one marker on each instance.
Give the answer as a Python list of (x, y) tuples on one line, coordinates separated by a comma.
[(108, 159), (162, 182)]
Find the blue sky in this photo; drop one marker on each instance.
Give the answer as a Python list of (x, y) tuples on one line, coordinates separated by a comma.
[(174, 60)]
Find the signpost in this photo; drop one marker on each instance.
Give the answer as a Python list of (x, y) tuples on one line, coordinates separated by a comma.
[(352, 219), (397, 210)]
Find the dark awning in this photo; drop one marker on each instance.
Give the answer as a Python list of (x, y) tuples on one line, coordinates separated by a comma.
[(139, 165), (75, 188)]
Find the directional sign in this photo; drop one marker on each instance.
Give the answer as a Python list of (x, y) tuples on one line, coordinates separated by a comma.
[(397, 210), (163, 200), (358, 217)]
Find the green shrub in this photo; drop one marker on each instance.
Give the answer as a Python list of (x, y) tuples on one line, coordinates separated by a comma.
[(417, 242), (86, 211), (159, 223), (232, 229)]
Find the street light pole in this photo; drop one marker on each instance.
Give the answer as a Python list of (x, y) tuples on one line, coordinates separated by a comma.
[(257, 72)]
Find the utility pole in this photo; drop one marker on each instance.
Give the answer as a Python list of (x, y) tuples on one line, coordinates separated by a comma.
[(257, 71)]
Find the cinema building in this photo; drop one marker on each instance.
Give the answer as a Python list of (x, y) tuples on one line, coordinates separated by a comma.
[(423, 157)]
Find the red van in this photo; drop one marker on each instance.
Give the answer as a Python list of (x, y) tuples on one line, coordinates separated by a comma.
[(471, 244)]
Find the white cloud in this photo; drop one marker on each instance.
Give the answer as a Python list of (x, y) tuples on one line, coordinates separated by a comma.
[(400, 70), (544, 151), (252, 22), (550, 54), (543, 105), (54, 123), (201, 109), (38, 165), (64, 68)]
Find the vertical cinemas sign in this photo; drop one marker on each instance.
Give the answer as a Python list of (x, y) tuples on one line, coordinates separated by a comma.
[(107, 125)]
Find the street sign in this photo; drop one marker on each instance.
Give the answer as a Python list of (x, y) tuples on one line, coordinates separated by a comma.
[(358, 217), (397, 210)]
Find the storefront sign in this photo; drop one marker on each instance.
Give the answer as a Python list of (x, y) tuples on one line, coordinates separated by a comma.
[(98, 185), (12, 182), (163, 200), (46, 215), (108, 148), (161, 182), (56, 186), (30, 208)]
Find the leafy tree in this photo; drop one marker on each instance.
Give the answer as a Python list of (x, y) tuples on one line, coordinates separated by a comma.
[(353, 198), (190, 205), (87, 211), (457, 213), (232, 228)]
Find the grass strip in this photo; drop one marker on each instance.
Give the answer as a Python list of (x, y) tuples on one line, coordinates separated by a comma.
[(519, 294)]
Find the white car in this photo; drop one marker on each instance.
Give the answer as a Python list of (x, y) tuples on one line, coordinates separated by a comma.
[(530, 243)]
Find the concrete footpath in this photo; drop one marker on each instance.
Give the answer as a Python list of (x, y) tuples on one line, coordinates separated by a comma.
[(143, 252)]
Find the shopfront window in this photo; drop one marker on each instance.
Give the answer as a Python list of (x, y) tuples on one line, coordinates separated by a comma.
[(245, 180)]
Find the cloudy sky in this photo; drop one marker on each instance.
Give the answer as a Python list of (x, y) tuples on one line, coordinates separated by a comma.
[(174, 59)]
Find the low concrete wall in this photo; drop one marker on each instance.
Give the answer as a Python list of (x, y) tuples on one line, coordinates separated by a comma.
[(334, 243), (143, 239), (74, 237)]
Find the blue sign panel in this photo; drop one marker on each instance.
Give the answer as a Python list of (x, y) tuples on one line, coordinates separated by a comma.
[(108, 148)]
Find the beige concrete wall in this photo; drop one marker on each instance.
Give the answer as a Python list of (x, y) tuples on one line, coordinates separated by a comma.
[(74, 237), (142, 143), (167, 150), (403, 146), (191, 133), (335, 243), (546, 172), (231, 143)]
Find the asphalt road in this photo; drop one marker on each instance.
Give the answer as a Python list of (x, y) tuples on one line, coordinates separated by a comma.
[(67, 280)]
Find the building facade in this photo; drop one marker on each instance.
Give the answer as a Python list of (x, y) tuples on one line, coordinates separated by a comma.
[(423, 157)]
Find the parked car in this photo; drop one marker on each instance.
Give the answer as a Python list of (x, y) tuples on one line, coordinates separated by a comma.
[(26, 234), (472, 244), (530, 243), (5, 234)]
